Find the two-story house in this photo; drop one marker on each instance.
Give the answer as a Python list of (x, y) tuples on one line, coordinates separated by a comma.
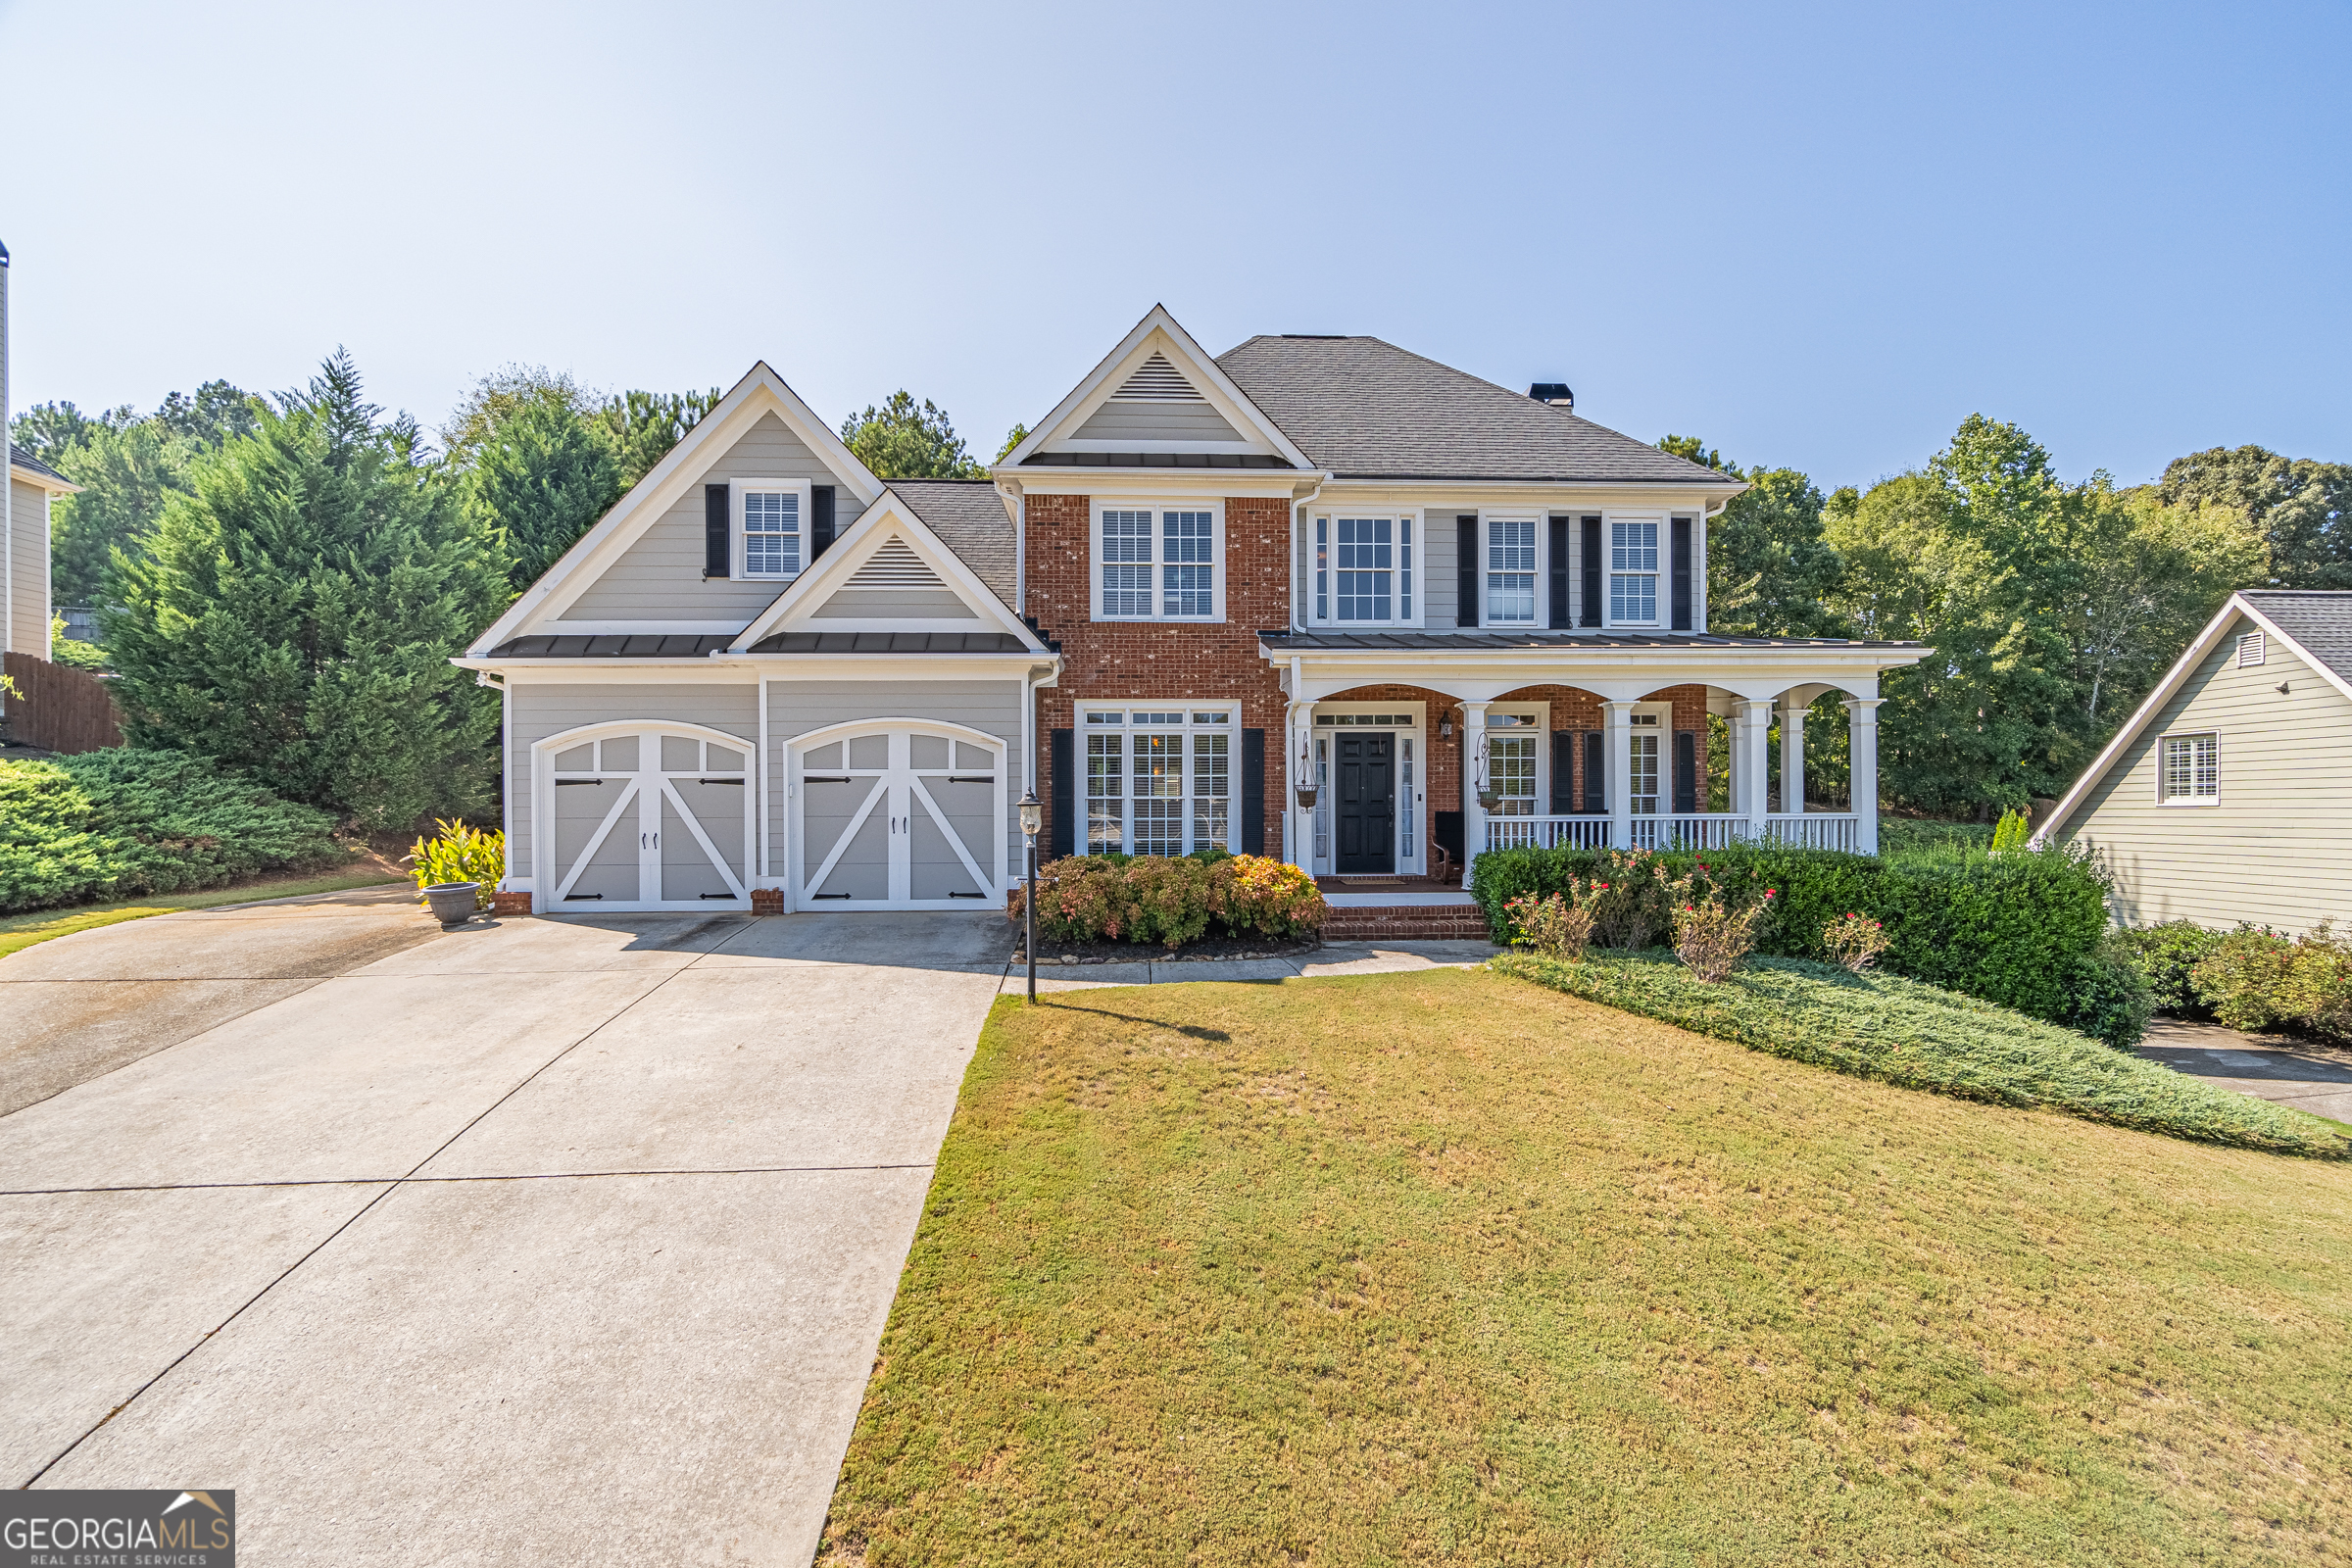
[(1318, 598)]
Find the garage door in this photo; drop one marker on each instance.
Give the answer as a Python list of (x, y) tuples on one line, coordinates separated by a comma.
[(896, 815), (649, 817)]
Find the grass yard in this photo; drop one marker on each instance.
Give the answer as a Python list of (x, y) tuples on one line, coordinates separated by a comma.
[(20, 931), (1442, 1266)]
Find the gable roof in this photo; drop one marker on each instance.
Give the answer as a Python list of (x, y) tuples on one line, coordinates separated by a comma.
[(1364, 409), (2316, 624), (969, 518), (35, 471)]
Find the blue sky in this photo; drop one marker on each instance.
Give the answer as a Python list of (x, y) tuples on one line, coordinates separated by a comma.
[(1815, 237)]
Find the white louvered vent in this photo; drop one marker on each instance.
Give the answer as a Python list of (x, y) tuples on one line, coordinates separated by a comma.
[(894, 565), (1156, 380), (2250, 649)]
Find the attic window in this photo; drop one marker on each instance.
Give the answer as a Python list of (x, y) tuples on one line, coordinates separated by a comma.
[(894, 565), (2250, 649), (1156, 380)]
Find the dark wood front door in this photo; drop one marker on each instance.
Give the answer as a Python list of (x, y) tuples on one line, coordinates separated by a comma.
[(1367, 804)]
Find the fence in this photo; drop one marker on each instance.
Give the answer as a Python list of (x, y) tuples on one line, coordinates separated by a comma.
[(62, 710)]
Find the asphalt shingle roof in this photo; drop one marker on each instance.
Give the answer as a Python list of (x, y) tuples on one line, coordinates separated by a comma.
[(1365, 408), (970, 520), (19, 458), (2320, 620)]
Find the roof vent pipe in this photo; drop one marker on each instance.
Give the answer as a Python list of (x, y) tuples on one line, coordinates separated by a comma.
[(1555, 393)]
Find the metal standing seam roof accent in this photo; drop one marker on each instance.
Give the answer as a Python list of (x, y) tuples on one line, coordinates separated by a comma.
[(2318, 620), (1365, 408), (891, 642), (575, 645), (19, 458), (969, 518), (1488, 642)]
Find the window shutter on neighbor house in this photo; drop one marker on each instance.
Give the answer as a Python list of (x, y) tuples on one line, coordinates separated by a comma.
[(1592, 570), (1682, 575), (1596, 776), (1254, 793), (1563, 757), (718, 531), (1465, 557), (1559, 574), (820, 519), (1064, 788), (1686, 772)]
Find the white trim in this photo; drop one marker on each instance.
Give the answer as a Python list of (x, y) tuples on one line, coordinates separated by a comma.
[(1304, 558), (1124, 707), (795, 609), (1661, 577), (739, 543), (1540, 616), (42, 481), (2192, 799), (799, 883), (1157, 510), (556, 880), (1418, 732)]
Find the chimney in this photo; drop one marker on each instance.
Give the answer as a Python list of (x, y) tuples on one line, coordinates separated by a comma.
[(1555, 393)]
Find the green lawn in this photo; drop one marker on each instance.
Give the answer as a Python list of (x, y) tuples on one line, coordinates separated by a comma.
[(1444, 1266), (20, 931)]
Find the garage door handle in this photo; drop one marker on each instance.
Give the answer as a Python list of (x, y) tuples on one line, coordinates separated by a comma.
[(971, 778)]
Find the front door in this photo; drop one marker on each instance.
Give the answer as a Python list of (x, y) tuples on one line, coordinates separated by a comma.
[(1366, 765), (896, 817), (649, 819)]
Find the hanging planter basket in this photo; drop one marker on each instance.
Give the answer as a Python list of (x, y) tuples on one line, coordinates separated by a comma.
[(1306, 797), (1488, 800)]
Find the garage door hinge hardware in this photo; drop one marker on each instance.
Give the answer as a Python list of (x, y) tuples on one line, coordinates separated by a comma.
[(967, 895), (568, 896), (832, 895), (560, 783), (715, 895), (719, 781), (828, 781), (971, 778)]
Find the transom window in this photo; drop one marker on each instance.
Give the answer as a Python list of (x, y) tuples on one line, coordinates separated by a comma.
[(1512, 572), (1364, 720), (1158, 780), (2192, 770), (1632, 572), (1158, 562), (771, 532), (1363, 569)]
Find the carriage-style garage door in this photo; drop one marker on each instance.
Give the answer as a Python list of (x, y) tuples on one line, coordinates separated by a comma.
[(647, 817), (896, 814)]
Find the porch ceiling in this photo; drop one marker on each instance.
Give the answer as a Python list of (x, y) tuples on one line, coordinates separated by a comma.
[(1617, 667)]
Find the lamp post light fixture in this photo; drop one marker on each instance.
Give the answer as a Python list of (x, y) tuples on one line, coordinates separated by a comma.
[(1033, 817)]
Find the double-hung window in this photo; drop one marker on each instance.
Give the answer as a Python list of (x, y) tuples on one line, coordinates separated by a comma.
[(1512, 572), (1363, 570), (1633, 573), (1158, 563), (1158, 780), (2191, 771), (772, 520)]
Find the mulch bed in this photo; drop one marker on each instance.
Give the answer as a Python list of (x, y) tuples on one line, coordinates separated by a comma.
[(1227, 948)]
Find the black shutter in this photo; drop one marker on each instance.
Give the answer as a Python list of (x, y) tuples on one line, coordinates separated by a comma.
[(1064, 790), (1682, 573), (1685, 771), (1564, 759), (1465, 557), (1596, 774), (1560, 572), (1592, 565), (718, 531), (820, 519), (1254, 792)]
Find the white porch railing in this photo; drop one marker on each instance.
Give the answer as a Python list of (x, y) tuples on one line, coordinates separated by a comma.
[(1710, 830)]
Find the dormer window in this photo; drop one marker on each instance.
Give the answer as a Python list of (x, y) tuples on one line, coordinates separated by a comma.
[(771, 520), (1158, 562)]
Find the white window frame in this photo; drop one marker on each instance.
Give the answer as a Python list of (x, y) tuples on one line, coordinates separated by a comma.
[(1661, 586), (1539, 724), (1158, 508), (2164, 745), (1540, 617), (1323, 558), (1083, 722), (1412, 833), (741, 489)]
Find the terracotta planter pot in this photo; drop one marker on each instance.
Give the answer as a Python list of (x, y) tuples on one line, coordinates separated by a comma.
[(452, 903)]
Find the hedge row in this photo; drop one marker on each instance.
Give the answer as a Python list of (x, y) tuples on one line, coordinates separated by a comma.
[(123, 821), (2027, 930), (1171, 899)]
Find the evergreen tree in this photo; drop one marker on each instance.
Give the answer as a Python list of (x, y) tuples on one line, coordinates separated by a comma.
[(901, 441), (543, 476), (645, 425), (297, 610)]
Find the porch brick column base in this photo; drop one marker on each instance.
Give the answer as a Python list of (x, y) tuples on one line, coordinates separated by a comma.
[(1617, 726), (1862, 747)]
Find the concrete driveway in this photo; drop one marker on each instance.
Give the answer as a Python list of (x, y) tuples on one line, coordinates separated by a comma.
[(545, 1241)]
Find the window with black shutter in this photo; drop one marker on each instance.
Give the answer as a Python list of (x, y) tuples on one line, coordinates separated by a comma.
[(1560, 572), (1686, 772), (1593, 569), (718, 530), (1596, 776), (1680, 590), (820, 519), (1465, 555)]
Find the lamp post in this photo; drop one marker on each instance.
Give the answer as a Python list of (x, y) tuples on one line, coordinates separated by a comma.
[(1033, 817)]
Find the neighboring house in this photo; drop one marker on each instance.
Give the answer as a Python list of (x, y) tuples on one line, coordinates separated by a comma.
[(2225, 798), (1200, 585), (25, 609)]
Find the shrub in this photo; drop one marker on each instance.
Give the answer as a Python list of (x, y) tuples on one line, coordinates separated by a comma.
[(125, 822), (1558, 925), (1902, 1032), (2106, 997), (2165, 954), (1630, 901), (461, 854), (1854, 941), (2255, 978), (2010, 832), (1151, 898)]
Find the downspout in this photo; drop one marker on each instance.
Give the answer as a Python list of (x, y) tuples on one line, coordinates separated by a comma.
[(505, 763), (1020, 545), (760, 820), (1299, 544)]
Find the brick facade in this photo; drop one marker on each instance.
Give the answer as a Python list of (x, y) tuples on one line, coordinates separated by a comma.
[(1175, 661)]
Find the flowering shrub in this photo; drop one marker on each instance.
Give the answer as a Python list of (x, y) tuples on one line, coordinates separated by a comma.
[(2168, 953), (459, 853), (1557, 925), (1628, 899), (1714, 926), (2255, 978), (1854, 941), (1151, 899)]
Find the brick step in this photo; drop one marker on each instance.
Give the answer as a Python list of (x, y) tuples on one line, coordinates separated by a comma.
[(1430, 922)]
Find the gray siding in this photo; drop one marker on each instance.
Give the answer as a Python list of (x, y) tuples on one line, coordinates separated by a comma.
[(1155, 422), (28, 570), (661, 576), (906, 604), (2277, 847), (1439, 588), (540, 711)]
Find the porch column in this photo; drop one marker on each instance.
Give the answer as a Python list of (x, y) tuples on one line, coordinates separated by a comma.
[(1298, 768), (1753, 744), (1793, 757), (1617, 726), (1862, 749), (1474, 776)]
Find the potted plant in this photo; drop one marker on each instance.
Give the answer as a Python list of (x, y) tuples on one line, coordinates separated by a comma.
[(1306, 797), (1488, 800), (452, 903)]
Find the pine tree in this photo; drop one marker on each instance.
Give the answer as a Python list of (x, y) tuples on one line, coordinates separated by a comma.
[(296, 612), (543, 476)]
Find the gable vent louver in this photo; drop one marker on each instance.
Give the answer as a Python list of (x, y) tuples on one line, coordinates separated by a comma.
[(894, 565), (1156, 380)]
